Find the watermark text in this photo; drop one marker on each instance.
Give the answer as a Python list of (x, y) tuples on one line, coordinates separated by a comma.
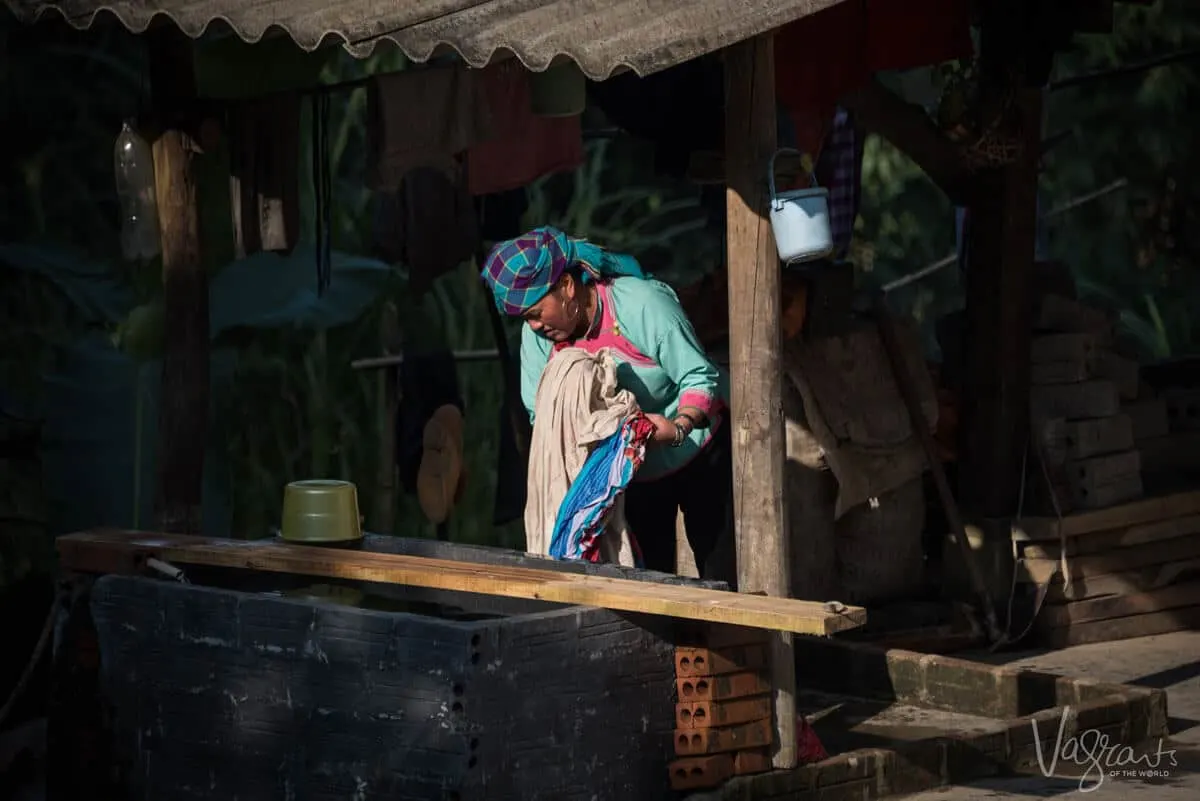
[(1101, 758)]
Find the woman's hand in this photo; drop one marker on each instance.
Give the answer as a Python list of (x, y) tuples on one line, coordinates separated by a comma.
[(664, 429)]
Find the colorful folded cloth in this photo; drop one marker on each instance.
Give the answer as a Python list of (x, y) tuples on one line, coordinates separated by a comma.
[(609, 468)]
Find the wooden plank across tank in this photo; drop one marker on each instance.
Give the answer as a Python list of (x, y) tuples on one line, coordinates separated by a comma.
[(109, 551)]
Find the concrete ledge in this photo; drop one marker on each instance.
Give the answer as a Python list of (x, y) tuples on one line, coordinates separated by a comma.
[(958, 685), (1013, 698)]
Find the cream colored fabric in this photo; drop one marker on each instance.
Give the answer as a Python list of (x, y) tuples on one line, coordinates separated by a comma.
[(577, 405)]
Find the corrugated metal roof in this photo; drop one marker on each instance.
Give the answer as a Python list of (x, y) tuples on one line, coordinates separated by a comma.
[(600, 35)]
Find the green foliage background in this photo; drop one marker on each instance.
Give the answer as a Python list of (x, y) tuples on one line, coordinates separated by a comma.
[(296, 409)]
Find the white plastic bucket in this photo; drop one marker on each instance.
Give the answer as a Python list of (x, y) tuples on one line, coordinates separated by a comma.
[(800, 220)]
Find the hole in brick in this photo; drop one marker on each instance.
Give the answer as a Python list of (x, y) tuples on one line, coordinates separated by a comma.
[(699, 662), (457, 689), (702, 686), (680, 773), (456, 707), (697, 771), (475, 658), (472, 762), (684, 662), (474, 743), (685, 716), (700, 714), (696, 741), (683, 741), (475, 641), (688, 689)]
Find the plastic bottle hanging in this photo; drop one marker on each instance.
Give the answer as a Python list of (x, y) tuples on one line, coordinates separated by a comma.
[(134, 166)]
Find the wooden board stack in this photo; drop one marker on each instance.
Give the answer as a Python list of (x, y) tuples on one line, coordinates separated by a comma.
[(1134, 569), (1079, 388), (1171, 450), (723, 723)]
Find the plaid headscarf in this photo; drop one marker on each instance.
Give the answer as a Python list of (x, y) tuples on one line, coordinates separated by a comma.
[(520, 271)]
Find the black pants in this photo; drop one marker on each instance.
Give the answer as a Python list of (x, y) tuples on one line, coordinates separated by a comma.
[(703, 490)]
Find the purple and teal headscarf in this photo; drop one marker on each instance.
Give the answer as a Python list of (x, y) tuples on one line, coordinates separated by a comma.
[(520, 271)]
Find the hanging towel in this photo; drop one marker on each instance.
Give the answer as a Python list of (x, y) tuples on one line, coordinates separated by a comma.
[(422, 118), (428, 225), (264, 173), (578, 408), (523, 147)]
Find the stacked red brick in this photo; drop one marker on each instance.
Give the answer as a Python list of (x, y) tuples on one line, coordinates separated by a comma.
[(1082, 396), (723, 724)]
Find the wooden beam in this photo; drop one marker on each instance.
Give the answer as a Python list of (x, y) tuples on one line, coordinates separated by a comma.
[(1188, 54), (907, 127), (123, 552), (999, 326), (183, 405), (755, 345)]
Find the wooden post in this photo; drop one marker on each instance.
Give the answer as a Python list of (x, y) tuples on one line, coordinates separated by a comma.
[(999, 280), (755, 345), (183, 405)]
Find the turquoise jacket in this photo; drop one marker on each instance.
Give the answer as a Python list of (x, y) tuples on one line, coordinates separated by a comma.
[(659, 359)]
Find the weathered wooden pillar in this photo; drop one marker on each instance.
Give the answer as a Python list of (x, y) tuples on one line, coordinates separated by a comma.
[(999, 278), (183, 404), (755, 344)]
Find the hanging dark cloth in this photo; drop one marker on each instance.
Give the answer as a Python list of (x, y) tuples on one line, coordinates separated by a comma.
[(426, 382), (264, 167), (322, 178), (422, 117), (523, 146), (681, 110), (428, 225)]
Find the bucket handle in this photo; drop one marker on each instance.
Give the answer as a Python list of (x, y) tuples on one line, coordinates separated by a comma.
[(771, 175)]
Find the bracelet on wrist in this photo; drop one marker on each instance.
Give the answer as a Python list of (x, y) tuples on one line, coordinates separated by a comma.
[(681, 435)]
